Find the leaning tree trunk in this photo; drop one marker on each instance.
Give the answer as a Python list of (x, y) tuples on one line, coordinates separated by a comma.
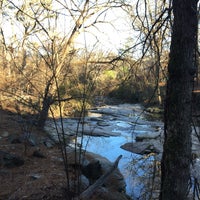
[(47, 101), (43, 115), (181, 70)]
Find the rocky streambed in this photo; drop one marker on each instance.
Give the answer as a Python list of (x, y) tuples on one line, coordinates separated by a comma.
[(114, 130)]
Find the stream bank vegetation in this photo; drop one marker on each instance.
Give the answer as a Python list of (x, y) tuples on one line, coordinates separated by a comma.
[(44, 73)]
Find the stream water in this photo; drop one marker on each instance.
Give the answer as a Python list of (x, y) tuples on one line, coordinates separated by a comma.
[(112, 126), (128, 121), (109, 127)]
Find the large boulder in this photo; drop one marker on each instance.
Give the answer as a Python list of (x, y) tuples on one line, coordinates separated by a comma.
[(115, 181), (93, 167), (93, 170)]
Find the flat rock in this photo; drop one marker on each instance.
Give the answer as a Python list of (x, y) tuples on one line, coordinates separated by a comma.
[(147, 135), (103, 123), (89, 129), (143, 147)]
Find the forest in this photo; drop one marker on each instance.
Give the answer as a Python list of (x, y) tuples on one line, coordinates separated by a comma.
[(74, 70)]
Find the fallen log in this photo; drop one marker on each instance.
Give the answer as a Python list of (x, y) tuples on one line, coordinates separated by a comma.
[(90, 190)]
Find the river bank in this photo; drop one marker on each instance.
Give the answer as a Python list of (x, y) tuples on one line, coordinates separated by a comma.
[(108, 131)]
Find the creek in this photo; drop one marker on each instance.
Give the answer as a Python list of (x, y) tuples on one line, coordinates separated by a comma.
[(128, 121), (106, 129)]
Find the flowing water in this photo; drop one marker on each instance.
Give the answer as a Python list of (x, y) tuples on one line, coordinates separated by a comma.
[(128, 121), (115, 125), (111, 127)]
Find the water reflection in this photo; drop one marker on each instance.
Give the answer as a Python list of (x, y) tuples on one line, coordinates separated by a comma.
[(132, 166)]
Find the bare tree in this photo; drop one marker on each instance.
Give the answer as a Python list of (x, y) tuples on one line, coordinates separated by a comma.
[(50, 48), (152, 27)]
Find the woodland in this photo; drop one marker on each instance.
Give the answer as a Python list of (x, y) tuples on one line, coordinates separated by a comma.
[(61, 58)]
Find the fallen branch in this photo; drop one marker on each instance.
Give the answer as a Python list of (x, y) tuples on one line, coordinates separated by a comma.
[(90, 190)]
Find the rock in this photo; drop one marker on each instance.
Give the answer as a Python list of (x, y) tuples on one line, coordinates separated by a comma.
[(89, 129), (38, 154), (154, 110), (143, 147), (54, 133), (35, 176), (147, 135), (48, 143), (125, 110), (5, 134), (102, 123), (10, 160), (96, 119), (115, 181), (94, 165), (92, 171), (92, 131), (14, 139), (25, 138)]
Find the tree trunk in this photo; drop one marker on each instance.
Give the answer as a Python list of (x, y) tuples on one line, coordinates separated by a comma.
[(43, 115), (181, 70)]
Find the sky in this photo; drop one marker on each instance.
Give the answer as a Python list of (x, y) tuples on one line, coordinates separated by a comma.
[(111, 36)]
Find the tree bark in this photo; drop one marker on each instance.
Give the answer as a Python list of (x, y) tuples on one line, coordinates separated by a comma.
[(181, 70), (43, 115)]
